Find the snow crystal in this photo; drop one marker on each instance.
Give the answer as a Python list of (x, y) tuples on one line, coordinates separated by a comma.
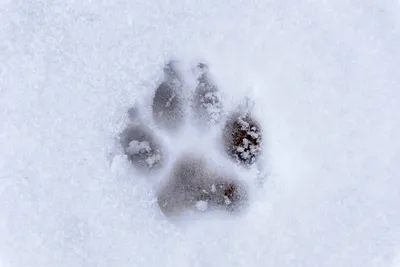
[(227, 200), (152, 160), (211, 103), (245, 155), (253, 135), (202, 205), (170, 100), (137, 147), (213, 189), (244, 125), (245, 142)]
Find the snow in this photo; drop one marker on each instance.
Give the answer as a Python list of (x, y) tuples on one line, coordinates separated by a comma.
[(201, 205), (170, 100), (136, 147), (212, 105), (324, 79), (153, 159), (227, 200), (213, 188)]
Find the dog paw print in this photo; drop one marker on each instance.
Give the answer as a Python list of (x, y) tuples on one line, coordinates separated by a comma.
[(189, 181)]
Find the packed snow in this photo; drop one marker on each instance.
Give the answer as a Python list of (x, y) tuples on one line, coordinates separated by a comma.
[(323, 76), (136, 147), (202, 205)]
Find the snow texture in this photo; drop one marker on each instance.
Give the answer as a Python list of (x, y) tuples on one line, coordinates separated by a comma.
[(136, 147), (324, 79), (202, 205), (191, 184), (140, 144), (242, 137), (207, 104), (168, 111)]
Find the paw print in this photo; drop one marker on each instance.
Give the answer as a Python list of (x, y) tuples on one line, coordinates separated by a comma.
[(190, 182)]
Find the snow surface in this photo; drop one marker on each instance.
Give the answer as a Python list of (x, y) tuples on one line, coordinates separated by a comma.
[(136, 147), (202, 205), (324, 79)]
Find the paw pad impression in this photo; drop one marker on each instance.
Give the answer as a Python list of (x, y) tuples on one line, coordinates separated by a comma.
[(193, 185), (242, 138), (207, 104), (141, 147), (168, 109)]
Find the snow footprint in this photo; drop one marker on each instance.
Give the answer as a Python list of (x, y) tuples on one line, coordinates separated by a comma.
[(193, 184)]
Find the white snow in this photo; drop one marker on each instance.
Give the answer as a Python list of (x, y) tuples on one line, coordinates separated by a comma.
[(213, 188), (170, 100), (153, 159), (211, 103), (227, 200), (324, 79), (240, 149), (202, 205), (253, 134), (137, 147), (244, 124)]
